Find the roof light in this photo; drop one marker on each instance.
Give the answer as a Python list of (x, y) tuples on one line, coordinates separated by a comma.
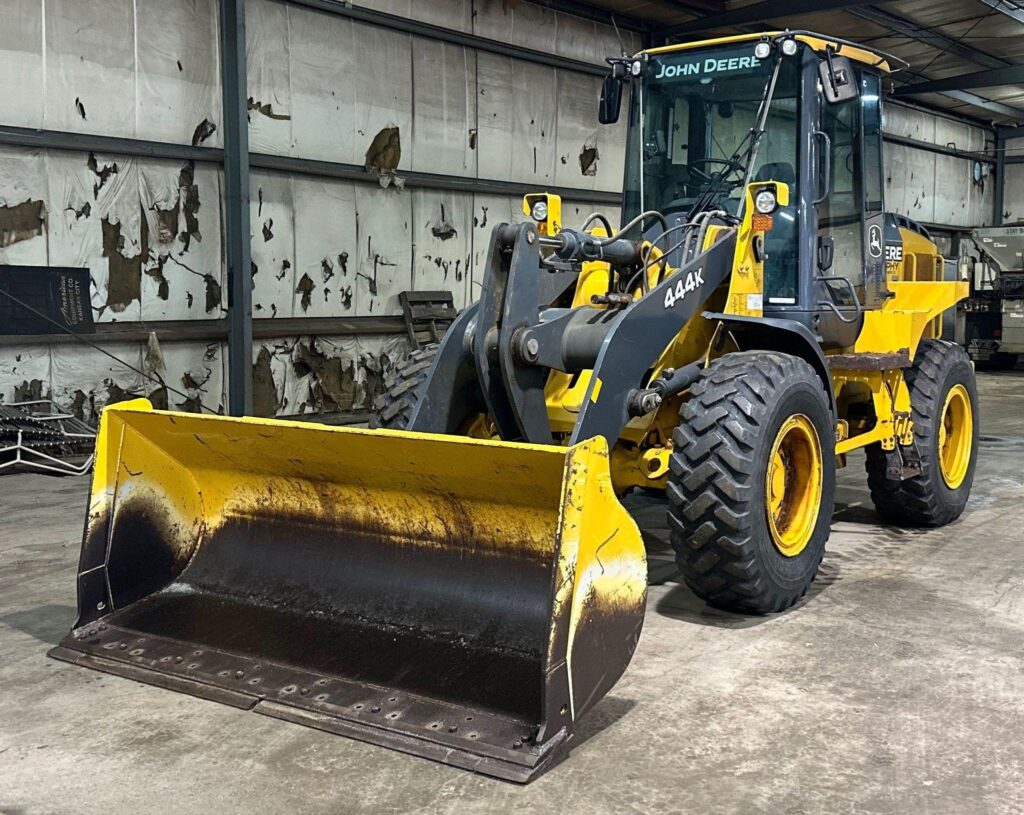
[(763, 49), (789, 47)]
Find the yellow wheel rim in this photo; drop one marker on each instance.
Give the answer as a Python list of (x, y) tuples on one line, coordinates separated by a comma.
[(793, 485), (956, 435), (479, 426)]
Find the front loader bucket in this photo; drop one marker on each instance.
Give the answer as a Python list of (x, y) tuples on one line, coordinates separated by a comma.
[(458, 599)]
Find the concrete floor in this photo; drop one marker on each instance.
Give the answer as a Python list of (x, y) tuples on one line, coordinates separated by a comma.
[(896, 686)]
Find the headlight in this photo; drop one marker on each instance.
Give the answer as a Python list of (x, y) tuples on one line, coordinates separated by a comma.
[(789, 47), (636, 68), (764, 202), (539, 212), (763, 49)]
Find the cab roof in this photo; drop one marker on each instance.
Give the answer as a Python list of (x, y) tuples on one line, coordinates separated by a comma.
[(819, 42)]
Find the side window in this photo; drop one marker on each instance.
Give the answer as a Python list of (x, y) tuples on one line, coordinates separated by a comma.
[(841, 214), (871, 113)]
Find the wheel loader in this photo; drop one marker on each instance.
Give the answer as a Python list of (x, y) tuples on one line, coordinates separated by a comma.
[(461, 581)]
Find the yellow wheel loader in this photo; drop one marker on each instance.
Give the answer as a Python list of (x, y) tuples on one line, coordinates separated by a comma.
[(461, 582)]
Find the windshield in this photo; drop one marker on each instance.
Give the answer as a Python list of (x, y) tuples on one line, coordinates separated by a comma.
[(697, 108)]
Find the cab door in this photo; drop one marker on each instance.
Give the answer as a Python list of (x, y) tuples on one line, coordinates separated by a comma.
[(850, 213)]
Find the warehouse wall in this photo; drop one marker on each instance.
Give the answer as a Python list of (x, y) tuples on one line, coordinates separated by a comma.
[(931, 187), (321, 87), (326, 88), (1013, 195)]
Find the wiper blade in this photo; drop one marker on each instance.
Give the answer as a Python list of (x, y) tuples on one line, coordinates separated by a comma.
[(744, 155)]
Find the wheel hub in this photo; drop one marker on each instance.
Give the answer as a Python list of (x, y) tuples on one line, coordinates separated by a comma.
[(956, 436), (793, 485)]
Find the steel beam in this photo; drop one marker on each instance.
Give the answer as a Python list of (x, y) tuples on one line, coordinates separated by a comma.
[(92, 143), (217, 330), (1009, 9), (999, 195), (434, 181), (238, 254), (943, 42), (599, 14), (758, 12), (990, 78), (1008, 111), (1013, 113), (936, 39), (941, 149)]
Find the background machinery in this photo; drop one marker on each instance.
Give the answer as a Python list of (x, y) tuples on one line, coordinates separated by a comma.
[(463, 583), (990, 323)]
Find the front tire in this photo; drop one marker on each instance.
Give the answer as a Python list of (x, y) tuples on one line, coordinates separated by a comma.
[(751, 486), (944, 407)]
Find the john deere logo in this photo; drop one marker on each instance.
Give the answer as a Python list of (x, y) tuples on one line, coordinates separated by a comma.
[(875, 241), (705, 67)]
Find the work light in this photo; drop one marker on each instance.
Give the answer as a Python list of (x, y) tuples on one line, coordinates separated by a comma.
[(765, 202)]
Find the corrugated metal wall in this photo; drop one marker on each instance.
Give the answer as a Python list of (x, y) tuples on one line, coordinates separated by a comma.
[(327, 88), (931, 187), (321, 87), (1013, 198)]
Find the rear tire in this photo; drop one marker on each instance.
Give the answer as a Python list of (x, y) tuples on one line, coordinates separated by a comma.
[(394, 407), (403, 389), (935, 497), (727, 527)]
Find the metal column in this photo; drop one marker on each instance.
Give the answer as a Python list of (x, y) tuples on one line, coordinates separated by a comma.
[(238, 254), (1000, 173)]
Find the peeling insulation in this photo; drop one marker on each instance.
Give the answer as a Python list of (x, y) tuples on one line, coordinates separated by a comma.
[(23, 183), (267, 64), (21, 222), (272, 219), (442, 237), (78, 372), (178, 88), (323, 254), (322, 374), (444, 109), (90, 74), (383, 255), (24, 373), (198, 370)]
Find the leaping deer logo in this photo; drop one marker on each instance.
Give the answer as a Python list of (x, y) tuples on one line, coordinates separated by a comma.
[(875, 241)]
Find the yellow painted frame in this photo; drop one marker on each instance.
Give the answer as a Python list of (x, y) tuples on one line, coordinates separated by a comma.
[(817, 43)]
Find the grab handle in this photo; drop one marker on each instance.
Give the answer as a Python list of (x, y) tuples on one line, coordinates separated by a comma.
[(826, 182), (830, 304)]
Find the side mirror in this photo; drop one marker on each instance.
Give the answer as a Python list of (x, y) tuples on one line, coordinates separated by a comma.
[(838, 79), (611, 100)]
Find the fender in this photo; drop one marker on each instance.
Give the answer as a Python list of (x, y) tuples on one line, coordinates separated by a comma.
[(777, 334)]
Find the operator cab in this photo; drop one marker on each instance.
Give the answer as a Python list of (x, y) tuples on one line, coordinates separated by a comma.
[(794, 108)]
